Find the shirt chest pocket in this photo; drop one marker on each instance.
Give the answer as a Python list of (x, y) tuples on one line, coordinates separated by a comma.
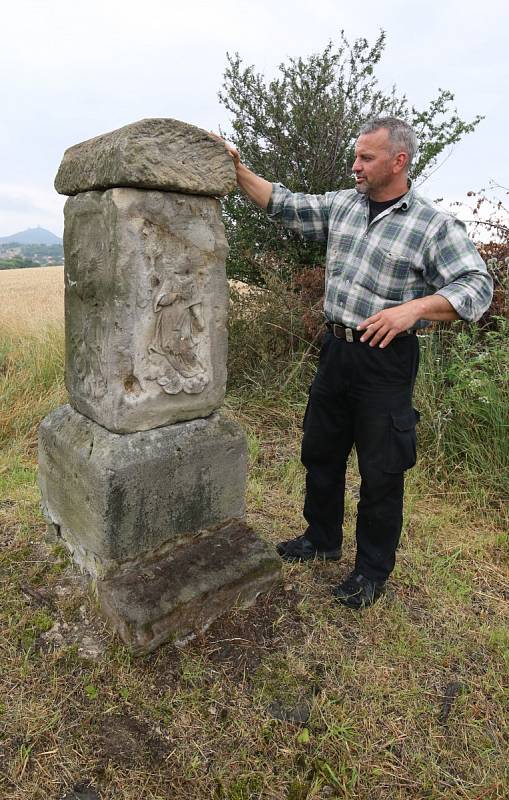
[(392, 271)]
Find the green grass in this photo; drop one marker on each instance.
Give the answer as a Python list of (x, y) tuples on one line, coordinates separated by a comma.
[(463, 395), (196, 721)]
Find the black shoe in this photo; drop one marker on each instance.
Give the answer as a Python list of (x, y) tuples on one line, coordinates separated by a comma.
[(302, 549), (358, 592)]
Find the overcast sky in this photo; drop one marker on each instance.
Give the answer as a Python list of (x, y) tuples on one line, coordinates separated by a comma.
[(71, 71)]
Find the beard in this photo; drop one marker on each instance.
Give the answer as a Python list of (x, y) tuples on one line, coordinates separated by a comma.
[(374, 184)]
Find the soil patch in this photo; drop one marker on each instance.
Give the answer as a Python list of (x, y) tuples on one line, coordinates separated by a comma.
[(238, 641), (126, 740)]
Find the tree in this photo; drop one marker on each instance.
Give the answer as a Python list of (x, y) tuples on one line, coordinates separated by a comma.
[(300, 129)]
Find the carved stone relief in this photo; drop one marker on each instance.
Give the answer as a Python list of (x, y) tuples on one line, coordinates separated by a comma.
[(179, 326), (147, 297), (88, 337)]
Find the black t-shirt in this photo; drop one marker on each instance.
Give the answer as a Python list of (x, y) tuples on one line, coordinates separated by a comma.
[(376, 208)]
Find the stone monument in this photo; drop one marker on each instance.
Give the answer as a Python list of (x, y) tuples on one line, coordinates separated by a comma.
[(142, 475)]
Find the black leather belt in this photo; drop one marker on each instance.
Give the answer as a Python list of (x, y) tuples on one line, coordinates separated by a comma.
[(353, 335)]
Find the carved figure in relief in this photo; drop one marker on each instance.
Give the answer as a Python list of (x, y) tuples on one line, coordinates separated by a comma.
[(89, 338), (179, 321), (89, 356)]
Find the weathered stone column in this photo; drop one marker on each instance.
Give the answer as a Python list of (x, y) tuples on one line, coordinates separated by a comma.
[(142, 476)]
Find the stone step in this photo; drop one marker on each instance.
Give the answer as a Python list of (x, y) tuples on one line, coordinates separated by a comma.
[(180, 594)]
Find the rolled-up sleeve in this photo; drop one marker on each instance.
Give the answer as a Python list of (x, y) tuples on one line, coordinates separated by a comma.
[(307, 214), (457, 272)]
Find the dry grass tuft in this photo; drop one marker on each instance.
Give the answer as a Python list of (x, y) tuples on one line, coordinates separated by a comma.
[(31, 385)]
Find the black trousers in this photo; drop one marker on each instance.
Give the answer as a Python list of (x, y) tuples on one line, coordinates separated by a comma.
[(361, 395)]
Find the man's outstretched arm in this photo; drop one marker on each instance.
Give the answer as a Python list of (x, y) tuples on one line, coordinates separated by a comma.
[(306, 214), (257, 189)]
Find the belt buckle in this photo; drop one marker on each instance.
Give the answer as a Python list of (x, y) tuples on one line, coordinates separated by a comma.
[(349, 335)]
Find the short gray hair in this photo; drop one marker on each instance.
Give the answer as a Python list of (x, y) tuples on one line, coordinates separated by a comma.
[(401, 135)]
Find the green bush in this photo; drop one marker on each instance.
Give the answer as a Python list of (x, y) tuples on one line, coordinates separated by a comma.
[(300, 128), (269, 349)]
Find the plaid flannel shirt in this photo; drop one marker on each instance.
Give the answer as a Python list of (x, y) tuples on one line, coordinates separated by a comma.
[(410, 250)]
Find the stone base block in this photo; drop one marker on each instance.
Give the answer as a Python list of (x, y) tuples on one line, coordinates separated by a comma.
[(115, 498), (181, 594)]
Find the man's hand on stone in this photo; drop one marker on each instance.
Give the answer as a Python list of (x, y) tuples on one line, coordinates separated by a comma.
[(231, 150), (381, 328), (256, 188)]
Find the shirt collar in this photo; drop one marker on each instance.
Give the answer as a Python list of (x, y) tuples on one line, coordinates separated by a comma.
[(404, 202)]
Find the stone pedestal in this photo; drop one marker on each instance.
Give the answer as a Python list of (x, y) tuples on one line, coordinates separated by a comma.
[(113, 499), (142, 478)]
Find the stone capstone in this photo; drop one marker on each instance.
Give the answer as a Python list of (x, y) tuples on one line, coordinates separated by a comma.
[(163, 154), (182, 593), (113, 498), (146, 300)]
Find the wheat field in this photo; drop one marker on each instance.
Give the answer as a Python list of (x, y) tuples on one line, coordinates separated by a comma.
[(31, 299)]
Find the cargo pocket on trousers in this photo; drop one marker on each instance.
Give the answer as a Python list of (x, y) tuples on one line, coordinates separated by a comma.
[(402, 449)]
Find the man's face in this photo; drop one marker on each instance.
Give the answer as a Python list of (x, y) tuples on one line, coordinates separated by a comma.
[(376, 167)]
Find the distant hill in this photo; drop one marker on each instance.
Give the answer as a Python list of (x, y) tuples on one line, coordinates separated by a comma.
[(32, 236)]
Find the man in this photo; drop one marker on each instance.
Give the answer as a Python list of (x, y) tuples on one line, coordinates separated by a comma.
[(394, 264)]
